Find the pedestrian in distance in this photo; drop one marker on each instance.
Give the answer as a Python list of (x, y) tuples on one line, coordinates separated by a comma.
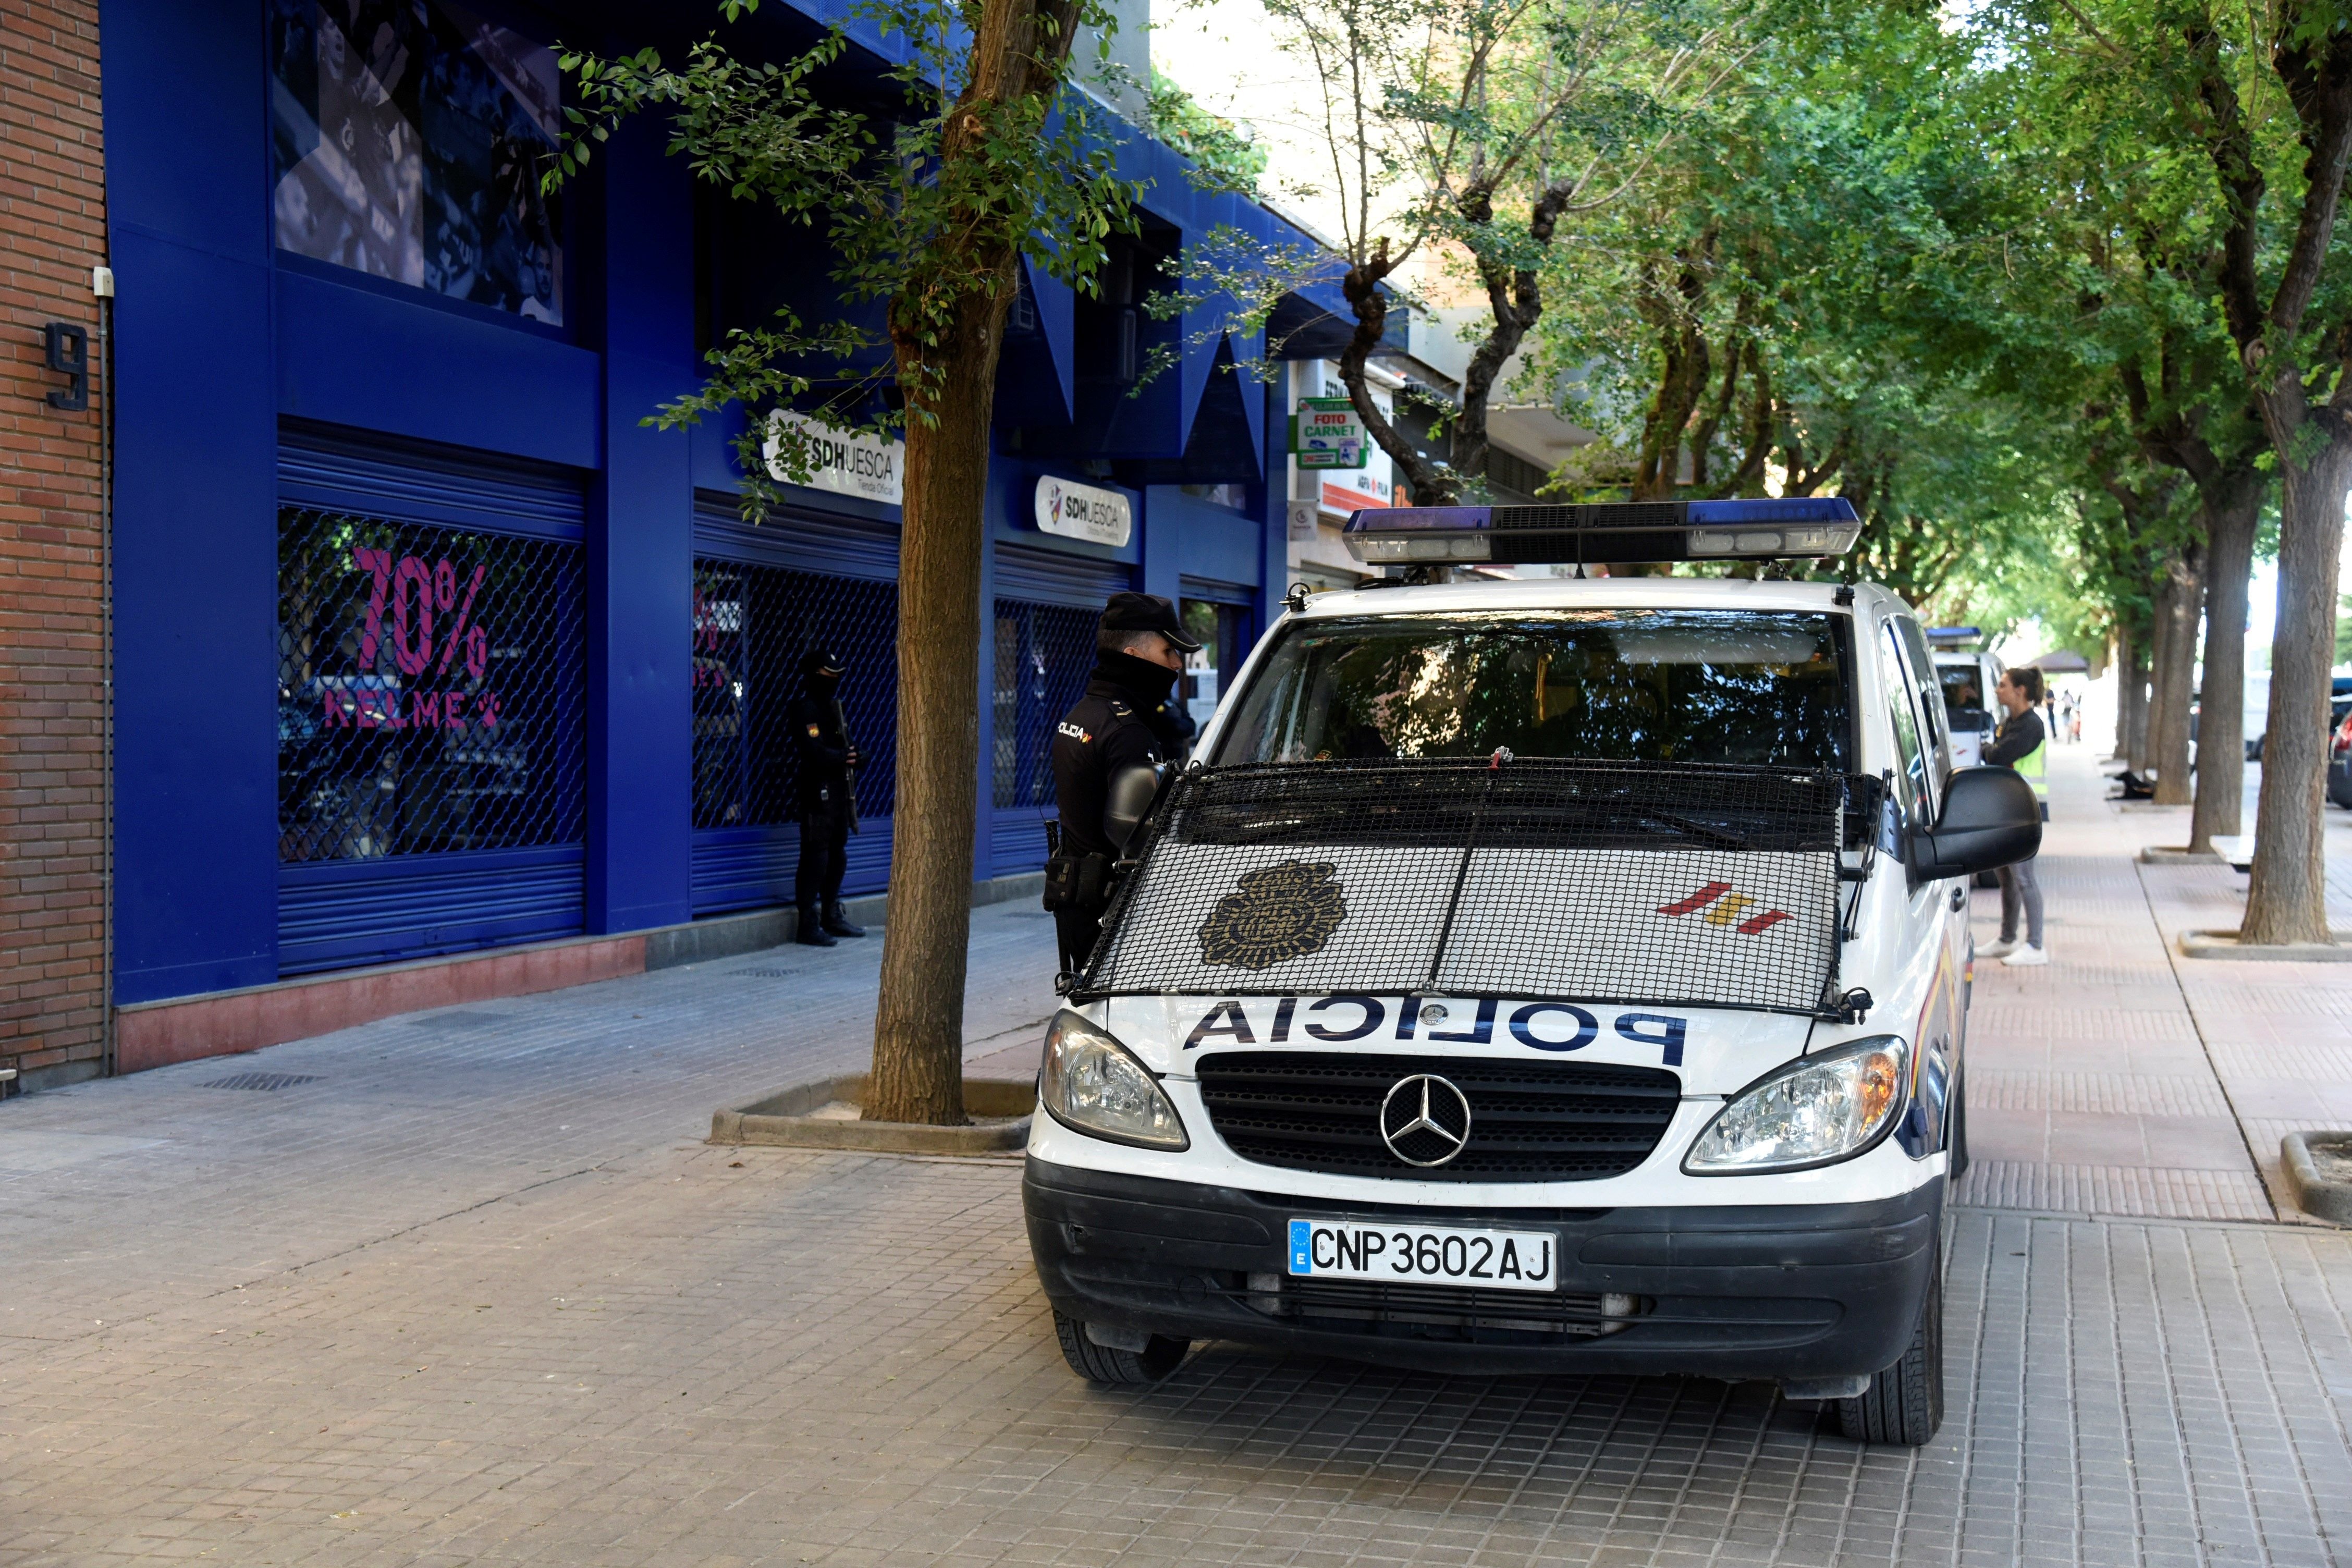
[(828, 800), (2022, 745), (1108, 753)]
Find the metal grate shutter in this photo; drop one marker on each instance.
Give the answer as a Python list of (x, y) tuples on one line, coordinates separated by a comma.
[(431, 703)]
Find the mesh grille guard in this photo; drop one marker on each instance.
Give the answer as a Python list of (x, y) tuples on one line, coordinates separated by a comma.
[(1554, 879)]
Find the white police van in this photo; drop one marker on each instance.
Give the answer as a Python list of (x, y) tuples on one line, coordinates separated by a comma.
[(1549, 975), (1968, 676)]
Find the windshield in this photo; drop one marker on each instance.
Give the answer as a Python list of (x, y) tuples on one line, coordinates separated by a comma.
[(1703, 686), (1963, 688)]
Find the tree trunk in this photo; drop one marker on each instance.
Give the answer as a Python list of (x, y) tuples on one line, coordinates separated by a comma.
[(2127, 661), (2151, 659), (2161, 642), (2178, 682), (2288, 900), (1428, 483), (918, 1021), (2231, 514), (946, 332)]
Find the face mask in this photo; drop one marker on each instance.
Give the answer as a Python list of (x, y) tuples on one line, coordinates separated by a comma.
[(1151, 682)]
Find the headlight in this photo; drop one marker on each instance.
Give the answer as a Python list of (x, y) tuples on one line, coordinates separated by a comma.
[(1093, 1084), (1812, 1113)]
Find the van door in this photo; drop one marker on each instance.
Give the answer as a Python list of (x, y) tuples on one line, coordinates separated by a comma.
[(1936, 913)]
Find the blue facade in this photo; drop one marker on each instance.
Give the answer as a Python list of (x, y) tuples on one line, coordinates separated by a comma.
[(425, 642)]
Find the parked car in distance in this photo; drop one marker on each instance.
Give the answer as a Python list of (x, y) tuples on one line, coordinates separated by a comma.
[(1968, 680), (2339, 754), (2258, 704)]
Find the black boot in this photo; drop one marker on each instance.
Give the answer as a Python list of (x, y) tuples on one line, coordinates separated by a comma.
[(813, 933), (836, 921)]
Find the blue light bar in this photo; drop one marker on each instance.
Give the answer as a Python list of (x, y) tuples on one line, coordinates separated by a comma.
[(1954, 634), (1764, 528)]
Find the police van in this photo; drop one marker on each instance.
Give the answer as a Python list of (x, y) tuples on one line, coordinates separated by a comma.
[(1541, 975), (1968, 676)]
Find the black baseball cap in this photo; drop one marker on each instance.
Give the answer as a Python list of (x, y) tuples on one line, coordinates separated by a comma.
[(821, 661), (1134, 612)]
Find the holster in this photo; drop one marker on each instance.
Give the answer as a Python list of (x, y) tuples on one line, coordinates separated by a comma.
[(1077, 881)]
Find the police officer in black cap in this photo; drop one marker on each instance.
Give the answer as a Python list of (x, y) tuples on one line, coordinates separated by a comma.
[(1109, 752), (829, 803)]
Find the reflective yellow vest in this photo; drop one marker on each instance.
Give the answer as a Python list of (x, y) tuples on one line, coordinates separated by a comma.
[(2034, 767)]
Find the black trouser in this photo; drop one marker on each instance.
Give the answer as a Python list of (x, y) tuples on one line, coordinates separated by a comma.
[(825, 860), (1077, 930)]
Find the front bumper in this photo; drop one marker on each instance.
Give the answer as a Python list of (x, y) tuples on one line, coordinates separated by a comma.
[(1793, 1292)]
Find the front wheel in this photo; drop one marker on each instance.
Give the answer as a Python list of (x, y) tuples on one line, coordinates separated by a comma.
[(1904, 1404), (1111, 1364)]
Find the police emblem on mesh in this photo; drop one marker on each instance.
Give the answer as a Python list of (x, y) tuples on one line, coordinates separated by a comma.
[(1281, 911)]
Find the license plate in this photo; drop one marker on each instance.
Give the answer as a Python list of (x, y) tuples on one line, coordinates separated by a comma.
[(1425, 1254)]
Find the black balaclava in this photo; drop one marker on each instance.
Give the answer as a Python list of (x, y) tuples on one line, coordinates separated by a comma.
[(820, 674), (1148, 683)]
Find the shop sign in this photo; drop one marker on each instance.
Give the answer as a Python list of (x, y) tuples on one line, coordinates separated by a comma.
[(846, 462), (1327, 433), (1082, 511), (1358, 491)]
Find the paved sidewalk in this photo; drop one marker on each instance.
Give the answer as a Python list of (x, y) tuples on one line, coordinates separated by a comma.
[(119, 1196), (469, 1289), (2090, 1087)]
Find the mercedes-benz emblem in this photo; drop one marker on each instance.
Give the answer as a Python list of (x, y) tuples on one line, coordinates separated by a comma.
[(1426, 1120)]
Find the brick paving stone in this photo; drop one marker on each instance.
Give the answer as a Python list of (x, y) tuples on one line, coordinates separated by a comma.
[(697, 1355), (475, 1294)]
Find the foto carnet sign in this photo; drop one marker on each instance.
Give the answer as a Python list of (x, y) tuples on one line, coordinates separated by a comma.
[(1327, 433), (850, 463), (1083, 511)]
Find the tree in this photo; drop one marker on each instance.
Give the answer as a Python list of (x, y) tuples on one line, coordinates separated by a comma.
[(1466, 134), (2241, 120), (976, 158), (2121, 284)]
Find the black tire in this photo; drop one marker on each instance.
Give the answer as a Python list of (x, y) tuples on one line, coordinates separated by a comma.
[(1904, 1404), (1106, 1363)]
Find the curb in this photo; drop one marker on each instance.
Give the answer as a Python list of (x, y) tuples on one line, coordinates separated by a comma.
[(2223, 944), (2313, 1193), (2152, 856), (1000, 1112)]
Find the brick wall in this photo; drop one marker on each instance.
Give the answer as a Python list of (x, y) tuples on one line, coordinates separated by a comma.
[(52, 742)]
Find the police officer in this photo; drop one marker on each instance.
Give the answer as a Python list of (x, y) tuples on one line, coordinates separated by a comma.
[(1108, 751), (829, 803)]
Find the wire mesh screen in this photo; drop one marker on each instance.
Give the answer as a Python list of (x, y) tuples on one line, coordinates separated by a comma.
[(1042, 654), (751, 626), (1619, 883), (429, 688)]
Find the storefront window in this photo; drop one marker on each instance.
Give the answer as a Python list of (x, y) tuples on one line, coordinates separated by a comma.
[(1222, 632), (409, 138), (429, 695), (1042, 654), (753, 624)]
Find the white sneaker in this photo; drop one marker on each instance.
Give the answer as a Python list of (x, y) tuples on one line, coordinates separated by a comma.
[(2026, 957), (2001, 949)]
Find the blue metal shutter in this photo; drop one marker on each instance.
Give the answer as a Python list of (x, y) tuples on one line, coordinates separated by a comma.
[(472, 835), (1050, 578), (762, 594), (1046, 603)]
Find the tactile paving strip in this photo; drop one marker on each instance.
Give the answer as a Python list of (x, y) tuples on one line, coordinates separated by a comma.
[(2016, 1021), (2111, 1093), (2149, 1192)]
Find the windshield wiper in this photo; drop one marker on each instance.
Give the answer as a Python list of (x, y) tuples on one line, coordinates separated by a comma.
[(1721, 835)]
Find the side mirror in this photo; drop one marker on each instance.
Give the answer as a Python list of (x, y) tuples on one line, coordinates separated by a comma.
[(1990, 819)]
